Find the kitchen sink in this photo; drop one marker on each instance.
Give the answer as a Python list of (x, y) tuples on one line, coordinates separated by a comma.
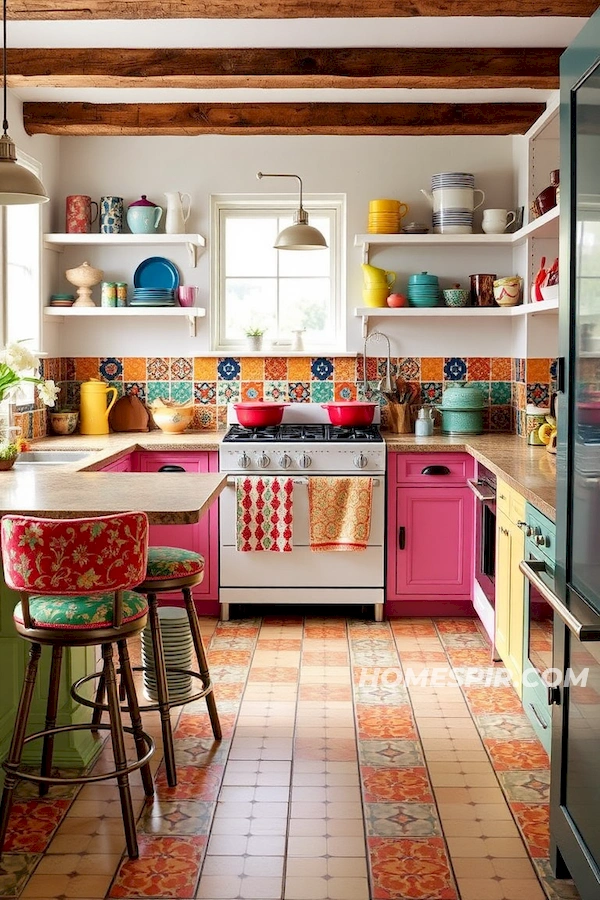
[(48, 457)]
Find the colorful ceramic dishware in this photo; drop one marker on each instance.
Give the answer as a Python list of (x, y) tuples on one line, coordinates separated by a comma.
[(156, 272), (79, 218), (63, 422), (111, 215), (456, 296), (177, 215), (187, 295), (507, 291), (93, 408), (84, 277), (496, 221), (482, 290), (173, 419), (143, 216)]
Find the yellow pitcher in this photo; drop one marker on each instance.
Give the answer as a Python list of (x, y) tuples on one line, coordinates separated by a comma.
[(377, 284), (93, 409)]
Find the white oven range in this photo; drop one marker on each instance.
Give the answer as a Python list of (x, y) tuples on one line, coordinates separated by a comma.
[(304, 446)]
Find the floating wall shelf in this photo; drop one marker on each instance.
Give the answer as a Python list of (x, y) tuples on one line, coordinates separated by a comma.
[(194, 242), (115, 313)]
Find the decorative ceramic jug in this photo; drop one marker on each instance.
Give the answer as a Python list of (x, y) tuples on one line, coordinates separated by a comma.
[(93, 409), (143, 216), (176, 216), (375, 277)]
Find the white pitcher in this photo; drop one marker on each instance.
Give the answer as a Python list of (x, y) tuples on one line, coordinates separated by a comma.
[(176, 215)]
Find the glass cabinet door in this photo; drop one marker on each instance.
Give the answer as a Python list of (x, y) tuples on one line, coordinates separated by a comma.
[(584, 563)]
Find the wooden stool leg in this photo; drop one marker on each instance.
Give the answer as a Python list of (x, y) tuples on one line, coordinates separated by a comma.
[(162, 690), (134, 712), (51, 712), (118, 742), (11, 764), (202, 663), (99, 700)]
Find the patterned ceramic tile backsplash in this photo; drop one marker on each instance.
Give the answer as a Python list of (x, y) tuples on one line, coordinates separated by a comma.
[(210, 383)]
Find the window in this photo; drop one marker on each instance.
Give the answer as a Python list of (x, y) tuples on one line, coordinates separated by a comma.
[(21, 229), (281, 291)]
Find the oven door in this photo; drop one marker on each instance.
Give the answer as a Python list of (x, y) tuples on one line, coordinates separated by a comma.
[(484, 587), (538, 649), (289, 577)]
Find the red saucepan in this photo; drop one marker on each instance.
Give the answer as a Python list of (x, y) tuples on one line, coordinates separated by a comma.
[(258, 413), (350, 412)]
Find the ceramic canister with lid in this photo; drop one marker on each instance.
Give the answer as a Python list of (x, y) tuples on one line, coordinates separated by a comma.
[(143, 216), (534, 417), (462, 409)]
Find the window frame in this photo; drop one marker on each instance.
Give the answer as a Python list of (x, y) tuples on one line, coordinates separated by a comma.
[(221, 204)]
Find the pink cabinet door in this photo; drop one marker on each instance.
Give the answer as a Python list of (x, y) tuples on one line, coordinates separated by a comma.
[(430, 538), (203, 537)]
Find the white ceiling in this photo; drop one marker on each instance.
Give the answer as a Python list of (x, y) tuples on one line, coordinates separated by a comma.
[(369, 32)]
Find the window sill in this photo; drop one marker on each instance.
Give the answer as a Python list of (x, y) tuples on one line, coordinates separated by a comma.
[(237, 352)]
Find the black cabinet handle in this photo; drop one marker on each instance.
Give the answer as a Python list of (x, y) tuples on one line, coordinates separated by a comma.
[(171, 469), (401, 537), (435, 470)]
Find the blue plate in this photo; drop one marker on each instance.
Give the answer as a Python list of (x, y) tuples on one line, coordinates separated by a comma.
[(156, 272)]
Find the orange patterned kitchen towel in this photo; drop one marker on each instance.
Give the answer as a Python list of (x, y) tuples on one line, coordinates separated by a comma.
[(264, 513), (339, 513)]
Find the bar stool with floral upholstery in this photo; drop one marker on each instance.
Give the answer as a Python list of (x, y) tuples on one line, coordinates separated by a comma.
[(75, 580)]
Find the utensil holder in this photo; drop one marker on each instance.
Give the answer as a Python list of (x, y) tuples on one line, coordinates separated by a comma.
[(399, 418)]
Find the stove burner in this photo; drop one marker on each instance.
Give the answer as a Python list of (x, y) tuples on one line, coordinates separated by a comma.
[(304, 434)]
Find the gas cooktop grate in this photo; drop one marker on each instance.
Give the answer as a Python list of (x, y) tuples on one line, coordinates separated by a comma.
[(304, 434)]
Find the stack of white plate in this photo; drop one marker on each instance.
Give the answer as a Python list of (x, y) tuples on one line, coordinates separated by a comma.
[(177, 649)]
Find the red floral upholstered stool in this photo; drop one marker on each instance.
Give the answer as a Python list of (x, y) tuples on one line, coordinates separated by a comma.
[(171, 569), (74, 577)]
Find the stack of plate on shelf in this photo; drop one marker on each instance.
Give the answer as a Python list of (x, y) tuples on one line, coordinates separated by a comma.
[(177, 649), (423, 290), (384, 216), (155, 282), (152, 297)]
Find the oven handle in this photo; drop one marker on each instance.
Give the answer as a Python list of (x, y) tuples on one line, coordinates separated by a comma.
[(475, 487), (231, 480), (583, 632)]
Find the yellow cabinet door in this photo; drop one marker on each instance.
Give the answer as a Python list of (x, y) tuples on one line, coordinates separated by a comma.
[(503, 579), (514, 662)]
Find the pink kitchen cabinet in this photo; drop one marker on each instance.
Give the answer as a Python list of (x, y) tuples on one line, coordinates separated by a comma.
[(203, 537), (429, 534), (124, 464)]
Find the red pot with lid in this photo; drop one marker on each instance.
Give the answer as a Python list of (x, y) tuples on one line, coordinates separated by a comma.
[(259, 413), (350, 413)]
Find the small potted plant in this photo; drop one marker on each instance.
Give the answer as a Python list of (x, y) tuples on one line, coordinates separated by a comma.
[(8, 455), (255, 337)]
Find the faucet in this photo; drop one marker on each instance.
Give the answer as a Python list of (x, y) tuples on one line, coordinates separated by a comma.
[(385, 385)]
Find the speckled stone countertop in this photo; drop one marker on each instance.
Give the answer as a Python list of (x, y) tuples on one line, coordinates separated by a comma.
[(530, 470)]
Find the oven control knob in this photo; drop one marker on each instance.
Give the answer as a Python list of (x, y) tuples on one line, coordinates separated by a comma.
[(285, 461), (243, 461), (262, 461), (361, 461), (304, 461)]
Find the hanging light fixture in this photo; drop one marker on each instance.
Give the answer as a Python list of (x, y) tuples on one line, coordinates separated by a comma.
[(300, 235), (18, 185)]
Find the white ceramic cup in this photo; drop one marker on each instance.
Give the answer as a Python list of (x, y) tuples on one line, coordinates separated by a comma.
[(496, 221)]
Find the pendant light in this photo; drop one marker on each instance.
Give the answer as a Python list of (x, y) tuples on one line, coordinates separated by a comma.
[(300, 235), (18, 185)]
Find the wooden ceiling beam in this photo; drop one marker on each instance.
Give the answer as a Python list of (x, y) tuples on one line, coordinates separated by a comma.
[(359, 67), (290, 9), (279, 118)]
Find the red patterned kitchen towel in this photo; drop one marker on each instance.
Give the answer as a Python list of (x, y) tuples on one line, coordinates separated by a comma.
[(264, 513), (339, 513)]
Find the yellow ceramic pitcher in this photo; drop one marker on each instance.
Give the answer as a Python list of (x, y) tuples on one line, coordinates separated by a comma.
[(93, 409), (374, 277)]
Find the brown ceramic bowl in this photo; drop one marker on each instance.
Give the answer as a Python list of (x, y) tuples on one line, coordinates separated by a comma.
[(546, 200), (64, 422)]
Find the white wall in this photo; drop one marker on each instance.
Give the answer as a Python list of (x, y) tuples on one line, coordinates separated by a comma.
[(361, 167), (45, 150)]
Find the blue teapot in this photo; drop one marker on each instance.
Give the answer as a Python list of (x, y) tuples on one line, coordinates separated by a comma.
[(143, 216)]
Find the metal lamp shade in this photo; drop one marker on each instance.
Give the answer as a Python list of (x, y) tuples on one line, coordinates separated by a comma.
[(18, 186), (300, 237)]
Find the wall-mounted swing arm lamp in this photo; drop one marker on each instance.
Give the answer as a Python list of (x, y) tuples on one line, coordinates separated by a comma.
[(300, 235), (18, 185)]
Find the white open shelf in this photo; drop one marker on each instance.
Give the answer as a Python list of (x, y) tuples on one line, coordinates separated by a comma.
[(449, 312), (193, 242), (545, 226), (192, 313)]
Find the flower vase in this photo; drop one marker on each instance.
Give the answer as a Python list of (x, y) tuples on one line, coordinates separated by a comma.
[(254, 341), (8, 430)]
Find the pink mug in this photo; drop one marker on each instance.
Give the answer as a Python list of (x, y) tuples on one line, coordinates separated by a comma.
[(187, 295), (79, 214)]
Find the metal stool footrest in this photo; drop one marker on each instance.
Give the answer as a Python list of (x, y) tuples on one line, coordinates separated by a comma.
[(150, 707), (84, 779)]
